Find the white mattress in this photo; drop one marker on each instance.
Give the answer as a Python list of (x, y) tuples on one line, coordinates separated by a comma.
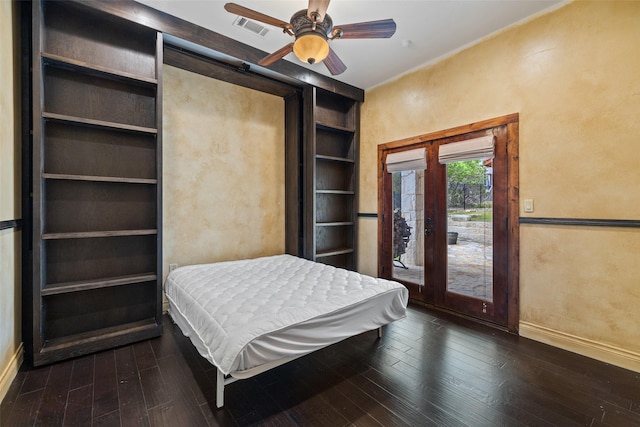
[(242, 315)]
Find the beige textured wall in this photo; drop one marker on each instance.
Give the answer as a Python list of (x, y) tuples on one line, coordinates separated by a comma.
[(10, 336), (572, 75), (223, 170)]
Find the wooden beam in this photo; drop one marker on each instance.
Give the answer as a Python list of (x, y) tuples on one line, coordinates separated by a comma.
[(221, 71)]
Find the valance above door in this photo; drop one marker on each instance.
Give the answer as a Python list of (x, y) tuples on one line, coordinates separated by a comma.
[(407, 160), (469, 149)]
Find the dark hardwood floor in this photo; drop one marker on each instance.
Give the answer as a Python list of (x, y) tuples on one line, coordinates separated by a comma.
[(428, 369)]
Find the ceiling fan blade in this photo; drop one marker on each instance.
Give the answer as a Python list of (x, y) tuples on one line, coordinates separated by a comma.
[(334, 63), (278, 54), (319, 7), (256, 16), (382, 29)]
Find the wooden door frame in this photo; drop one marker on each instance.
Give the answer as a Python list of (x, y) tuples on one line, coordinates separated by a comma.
[(511, 122), (495, 310)]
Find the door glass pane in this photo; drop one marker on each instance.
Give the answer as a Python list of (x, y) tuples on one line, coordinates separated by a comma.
[(408, 226), (470, 228)]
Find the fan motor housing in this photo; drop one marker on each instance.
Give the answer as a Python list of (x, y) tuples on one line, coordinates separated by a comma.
[(302, 24)]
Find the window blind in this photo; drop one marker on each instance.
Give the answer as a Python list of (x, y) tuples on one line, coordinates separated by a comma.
[(470, 149), (408, 160)]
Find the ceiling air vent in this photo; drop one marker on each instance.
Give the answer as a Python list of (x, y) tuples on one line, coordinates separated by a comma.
[(251, 26)]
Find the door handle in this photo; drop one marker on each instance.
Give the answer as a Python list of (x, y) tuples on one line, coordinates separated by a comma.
[(428, 227)]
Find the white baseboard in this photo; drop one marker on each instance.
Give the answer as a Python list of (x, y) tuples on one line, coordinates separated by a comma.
[(11, 371), (603, 352)]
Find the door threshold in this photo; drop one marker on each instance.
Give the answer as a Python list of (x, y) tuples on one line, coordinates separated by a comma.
[(462, 316)]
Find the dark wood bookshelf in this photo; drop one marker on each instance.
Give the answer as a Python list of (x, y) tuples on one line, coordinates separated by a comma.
[(97, 70), (348, 192), (334, 158), (99, 339), (98, 123), (84, 285), (335, 127), (95, 239), (94, 234), (337, 251), (335, 167), (99, 178)]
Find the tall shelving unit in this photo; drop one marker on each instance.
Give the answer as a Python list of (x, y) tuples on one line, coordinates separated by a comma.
[(335, 171), (95, 279)]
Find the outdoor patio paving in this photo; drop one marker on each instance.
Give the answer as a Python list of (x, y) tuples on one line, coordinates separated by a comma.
[(470, 266)]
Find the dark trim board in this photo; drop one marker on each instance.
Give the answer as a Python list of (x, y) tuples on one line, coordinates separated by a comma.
[(625, 223), (12, 223)]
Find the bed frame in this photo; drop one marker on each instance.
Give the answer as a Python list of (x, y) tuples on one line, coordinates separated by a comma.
[(199, 298), (223, 380)]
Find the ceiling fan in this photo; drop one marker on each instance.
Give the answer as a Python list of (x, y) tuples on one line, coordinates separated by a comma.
[(313, 28)]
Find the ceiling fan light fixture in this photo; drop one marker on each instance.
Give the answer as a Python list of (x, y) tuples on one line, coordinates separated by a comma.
[(311, 47), (313, 29)]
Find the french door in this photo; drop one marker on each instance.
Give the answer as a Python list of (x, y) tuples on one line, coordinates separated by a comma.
[(446, 202)]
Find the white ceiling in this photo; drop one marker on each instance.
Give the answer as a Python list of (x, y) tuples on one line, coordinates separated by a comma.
[(427, 30)]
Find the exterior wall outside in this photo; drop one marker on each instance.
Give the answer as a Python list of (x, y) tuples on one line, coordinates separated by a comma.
[(571, 74), (223, 171), (10, 239), (413, 212)]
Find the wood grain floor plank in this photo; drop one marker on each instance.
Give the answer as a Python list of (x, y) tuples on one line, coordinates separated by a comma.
[(79, 407), (571, 396), (180, 411), (247, 402), (132, 406), (24, 410), (402, 408), (366, 403), (163, 416), (111, 419), (145, 358), (54, 398), (155, 390), (11, 396), (546, 405), (349, 410), (36, 379), (217, 417), (202, 382), (568, 384), (626, 387), (328, 378), (534, 404), (446, 402), (295, 392), (324, 414), (616, 416), (174, 373), (429, 369), (105, 390), (165, 345), (83, 369)]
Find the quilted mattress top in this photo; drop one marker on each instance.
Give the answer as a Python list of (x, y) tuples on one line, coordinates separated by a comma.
[(228, 304)]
